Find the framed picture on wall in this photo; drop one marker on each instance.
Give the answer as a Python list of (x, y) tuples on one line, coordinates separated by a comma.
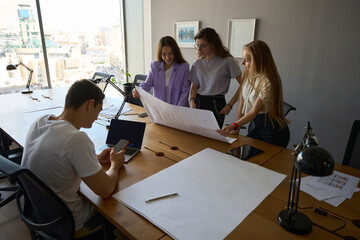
[(240, 32), (184, 33)]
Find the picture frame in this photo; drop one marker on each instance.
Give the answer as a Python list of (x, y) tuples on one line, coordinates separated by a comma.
[(184, 33), (240, 32)]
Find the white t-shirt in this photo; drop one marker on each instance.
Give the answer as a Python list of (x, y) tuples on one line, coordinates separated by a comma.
[(60, 155), (250, 96), (167, 79)]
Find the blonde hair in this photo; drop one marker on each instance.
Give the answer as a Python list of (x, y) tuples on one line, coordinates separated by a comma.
[(263, 67)]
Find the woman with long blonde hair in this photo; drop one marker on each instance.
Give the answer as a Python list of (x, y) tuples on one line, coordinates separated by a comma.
[(261, 97)]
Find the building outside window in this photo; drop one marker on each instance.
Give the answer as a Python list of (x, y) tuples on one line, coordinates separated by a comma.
[(81, 38)]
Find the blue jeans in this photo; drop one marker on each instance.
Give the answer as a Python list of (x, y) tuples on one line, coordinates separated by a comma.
[(265, 132)]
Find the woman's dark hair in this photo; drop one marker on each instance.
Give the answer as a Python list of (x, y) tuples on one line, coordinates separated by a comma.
[(169, 42), (81, 91), (211, 36)]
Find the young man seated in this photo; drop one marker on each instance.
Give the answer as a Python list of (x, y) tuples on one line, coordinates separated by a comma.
[(61, 155)]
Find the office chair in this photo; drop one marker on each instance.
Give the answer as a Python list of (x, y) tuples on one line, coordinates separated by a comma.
[(103, 83), (286, 109), (352, 152), (43, 212), (15, 156), (139, 78)]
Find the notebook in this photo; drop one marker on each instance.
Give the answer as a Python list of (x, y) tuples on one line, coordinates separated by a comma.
[(129, 130)]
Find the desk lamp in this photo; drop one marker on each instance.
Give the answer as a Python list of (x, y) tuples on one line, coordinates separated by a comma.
[(14, 66), (108, 81), (312, 160)]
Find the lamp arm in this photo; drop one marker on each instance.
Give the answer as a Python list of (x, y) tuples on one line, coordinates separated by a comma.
[(294, 189), (108, 80), (30, 75), (115, 86), (20, 63)]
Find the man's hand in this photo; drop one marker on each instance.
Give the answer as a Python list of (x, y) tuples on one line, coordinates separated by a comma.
[(104, 156), (117, 159)]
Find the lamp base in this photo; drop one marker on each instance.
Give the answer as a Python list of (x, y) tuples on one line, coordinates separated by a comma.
[(26, 91), (297, 222)]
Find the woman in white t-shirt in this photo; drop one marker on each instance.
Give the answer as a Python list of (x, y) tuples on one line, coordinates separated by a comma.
[(261, 97)]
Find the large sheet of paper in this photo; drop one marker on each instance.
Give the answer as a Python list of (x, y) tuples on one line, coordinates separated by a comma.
[(216, 192), (192, 120)]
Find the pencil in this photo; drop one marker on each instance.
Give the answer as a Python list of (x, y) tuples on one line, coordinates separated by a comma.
[(161, 197)]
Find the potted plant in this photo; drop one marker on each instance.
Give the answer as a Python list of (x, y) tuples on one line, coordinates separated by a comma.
[(127, 85)]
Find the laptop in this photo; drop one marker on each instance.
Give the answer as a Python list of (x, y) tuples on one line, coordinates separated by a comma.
[(128, 130)]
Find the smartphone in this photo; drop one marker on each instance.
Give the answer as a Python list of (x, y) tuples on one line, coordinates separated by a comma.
[(121, 145), (141, 115), (245, 152)]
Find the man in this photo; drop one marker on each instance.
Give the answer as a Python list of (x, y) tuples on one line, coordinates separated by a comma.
[(61, 155)]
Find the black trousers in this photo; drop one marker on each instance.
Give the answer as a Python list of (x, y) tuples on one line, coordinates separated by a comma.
[(213, 103), (265, 132)]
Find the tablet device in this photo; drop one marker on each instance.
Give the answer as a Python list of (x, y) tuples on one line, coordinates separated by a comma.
[(244, 152)]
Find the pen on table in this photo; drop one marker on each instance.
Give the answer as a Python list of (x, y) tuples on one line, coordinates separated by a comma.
[(161, 197)]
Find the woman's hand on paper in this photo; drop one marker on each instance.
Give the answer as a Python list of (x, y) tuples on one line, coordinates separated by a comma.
[(135, 93)]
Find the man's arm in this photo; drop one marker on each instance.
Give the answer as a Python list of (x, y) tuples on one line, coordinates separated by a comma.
[(103, 183)]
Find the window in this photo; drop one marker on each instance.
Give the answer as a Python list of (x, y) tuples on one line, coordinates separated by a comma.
[(81, 37)]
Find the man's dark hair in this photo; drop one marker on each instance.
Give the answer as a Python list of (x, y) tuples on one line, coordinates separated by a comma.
[(81, 91)]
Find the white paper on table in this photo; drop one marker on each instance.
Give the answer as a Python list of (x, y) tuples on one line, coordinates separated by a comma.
[(317, 192), (336, 201), (340, 183), (198, 121), (216, 192), (112, 111)]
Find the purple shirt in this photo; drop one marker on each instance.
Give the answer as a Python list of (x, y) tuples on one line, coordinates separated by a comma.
[(179, 84)]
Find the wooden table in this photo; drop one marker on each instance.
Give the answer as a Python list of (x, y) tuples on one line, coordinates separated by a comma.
[(260, 224), (160, 139)]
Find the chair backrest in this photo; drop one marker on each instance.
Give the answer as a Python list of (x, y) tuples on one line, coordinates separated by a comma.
[(43, 212), (139, 78), (100, 79), (352, 152), (287, 108)]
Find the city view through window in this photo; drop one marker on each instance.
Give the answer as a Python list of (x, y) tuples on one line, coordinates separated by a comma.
[(81, 38)]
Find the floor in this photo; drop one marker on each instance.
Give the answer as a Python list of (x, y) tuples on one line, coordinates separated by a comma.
[(11, 226)]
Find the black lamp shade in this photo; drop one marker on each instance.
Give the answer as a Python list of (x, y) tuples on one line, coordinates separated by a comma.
[(315, 161), (10, 67)]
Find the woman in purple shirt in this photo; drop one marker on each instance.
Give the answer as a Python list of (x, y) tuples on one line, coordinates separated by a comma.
[(169, 75)]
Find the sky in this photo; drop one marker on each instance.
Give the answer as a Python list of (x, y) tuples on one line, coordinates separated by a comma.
[(65, 15)]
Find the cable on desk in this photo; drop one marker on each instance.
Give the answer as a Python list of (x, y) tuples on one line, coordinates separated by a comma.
[(35, 99), (160, 154), (47, 97), (325, 213), (175, 148)]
